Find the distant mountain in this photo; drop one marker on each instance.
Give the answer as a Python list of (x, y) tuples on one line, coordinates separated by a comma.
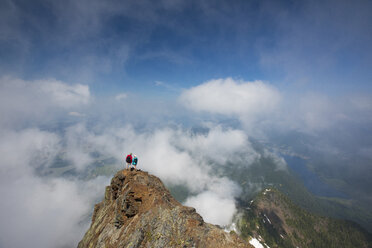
[(275, 221), (138, 211)]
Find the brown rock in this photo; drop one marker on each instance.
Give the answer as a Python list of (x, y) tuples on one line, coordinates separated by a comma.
[(138, 211)]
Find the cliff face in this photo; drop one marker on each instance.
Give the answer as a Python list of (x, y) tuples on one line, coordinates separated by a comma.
[(138, 211)]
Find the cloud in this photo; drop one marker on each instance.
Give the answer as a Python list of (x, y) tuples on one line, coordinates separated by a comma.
[(40, 100), (203, 203), (252, 103), (166, 152), (217, 203), (260, 107), (33, 205), (38, 211), (65, 95), (333, 131), (77, 114), (44, 213), (177, 156), (316, 112), (336, 44), (121, 96), (77, 148), (170, 155), (81, 40), (26, 150), (228, 145), (232, 98)]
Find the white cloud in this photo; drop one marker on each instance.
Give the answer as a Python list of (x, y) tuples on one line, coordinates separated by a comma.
[(24, 101), (177, 156), (159, 83), (232, 97), (37, 211), (77, 148), (214, 208), (316, 111), (42, 213), (77, 114), (26, 149), (121, 96), (260, 108), (219, 146), (65, 95), (217, 202)]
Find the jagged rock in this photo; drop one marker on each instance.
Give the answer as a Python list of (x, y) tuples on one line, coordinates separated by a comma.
[(138, 211)]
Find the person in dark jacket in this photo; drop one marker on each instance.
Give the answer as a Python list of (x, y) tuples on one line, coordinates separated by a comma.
[(135, 161), (129, 160)]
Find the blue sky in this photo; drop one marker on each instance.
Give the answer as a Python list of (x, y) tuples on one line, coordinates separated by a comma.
[(128, 46)]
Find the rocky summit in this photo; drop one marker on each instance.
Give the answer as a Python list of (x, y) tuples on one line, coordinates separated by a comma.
[(138, 211)]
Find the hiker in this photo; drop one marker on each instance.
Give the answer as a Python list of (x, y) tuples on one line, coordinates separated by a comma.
[(135, 161), (129, 160)]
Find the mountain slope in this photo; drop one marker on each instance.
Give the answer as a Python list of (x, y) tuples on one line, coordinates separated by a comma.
[(273, 219), (138, 211), (264, 173)]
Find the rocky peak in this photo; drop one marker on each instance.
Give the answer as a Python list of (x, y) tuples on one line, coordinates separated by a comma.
[(138, 211)]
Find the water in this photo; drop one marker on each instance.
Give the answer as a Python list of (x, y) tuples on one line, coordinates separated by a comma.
[(311, 181)]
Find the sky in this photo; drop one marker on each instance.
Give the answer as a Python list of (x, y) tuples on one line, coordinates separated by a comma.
[(130, 46), (141, 76)]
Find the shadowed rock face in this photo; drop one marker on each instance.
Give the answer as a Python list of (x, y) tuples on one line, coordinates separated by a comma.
[(138, 211)]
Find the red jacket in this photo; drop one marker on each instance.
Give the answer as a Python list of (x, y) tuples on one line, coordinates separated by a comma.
[(129, 159)]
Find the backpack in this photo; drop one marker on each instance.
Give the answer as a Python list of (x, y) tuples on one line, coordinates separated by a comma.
[(129, 159), (135, 161)]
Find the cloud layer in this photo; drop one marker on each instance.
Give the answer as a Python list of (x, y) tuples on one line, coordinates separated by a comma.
[(37, 211), (178, 154), (178, 157), (232, 97), (24, 101)]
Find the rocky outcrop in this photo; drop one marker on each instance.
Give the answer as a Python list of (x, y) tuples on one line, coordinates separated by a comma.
[(138, 211)]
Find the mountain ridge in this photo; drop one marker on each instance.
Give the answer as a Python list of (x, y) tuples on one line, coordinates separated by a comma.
[(138, 211), (275, 220)]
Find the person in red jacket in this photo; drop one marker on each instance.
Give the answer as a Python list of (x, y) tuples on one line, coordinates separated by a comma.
[(129, 160)]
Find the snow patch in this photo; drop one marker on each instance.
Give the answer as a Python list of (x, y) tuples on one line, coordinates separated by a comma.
[(266, 190), (266, 245), (256, 243), (267, 218)]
